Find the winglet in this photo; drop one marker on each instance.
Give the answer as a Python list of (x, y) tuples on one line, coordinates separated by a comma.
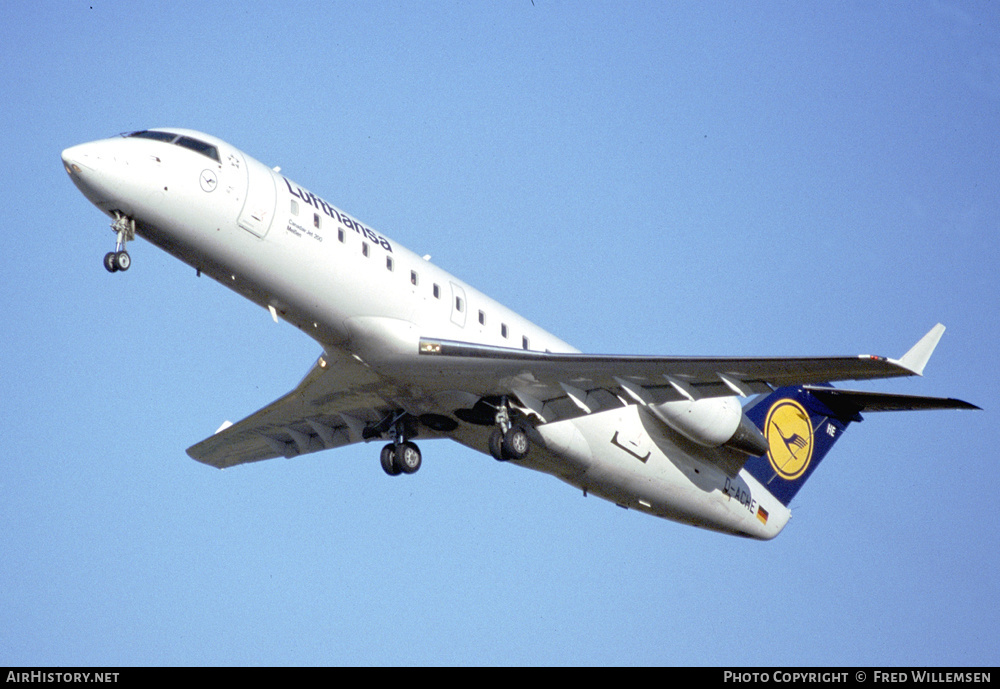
[(920, 353)]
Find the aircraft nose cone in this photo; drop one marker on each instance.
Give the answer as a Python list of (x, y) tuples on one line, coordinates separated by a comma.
[(69, 158), (76, 158), (91, 168)]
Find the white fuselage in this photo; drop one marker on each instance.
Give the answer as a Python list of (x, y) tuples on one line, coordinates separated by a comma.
[(353, 289)]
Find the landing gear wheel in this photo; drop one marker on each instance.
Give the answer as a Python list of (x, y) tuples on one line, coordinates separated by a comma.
[(496, 445), (388, 459), (124, 228), (122, 260), (407, 458), (515, 443)]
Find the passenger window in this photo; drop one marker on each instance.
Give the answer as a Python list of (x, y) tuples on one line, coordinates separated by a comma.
[(524, 342), (340, 234), (364, 249), (503, 330), (295, 207), (482, 318), (437, 292), (316, 220), (459, 304), (413, 277), (388, 263)]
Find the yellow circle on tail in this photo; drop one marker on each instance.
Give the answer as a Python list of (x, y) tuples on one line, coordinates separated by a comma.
[(789, 434)]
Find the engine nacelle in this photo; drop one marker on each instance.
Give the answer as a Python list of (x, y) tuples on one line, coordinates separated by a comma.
[(713, 422)]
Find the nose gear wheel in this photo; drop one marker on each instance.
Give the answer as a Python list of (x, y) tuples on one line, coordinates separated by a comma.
[(119, 260)]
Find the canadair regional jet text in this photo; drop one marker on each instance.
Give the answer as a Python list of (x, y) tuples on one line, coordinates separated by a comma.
[(410, 352)]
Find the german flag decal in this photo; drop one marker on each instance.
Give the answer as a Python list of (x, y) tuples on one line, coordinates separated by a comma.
[(762, 515)]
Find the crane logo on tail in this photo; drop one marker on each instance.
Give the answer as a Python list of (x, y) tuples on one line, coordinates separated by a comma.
[(789, 434)]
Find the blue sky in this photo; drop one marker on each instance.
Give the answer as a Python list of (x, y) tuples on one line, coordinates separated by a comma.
[(646, 178)]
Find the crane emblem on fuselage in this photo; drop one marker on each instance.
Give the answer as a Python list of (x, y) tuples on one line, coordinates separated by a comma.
[(208, 180)]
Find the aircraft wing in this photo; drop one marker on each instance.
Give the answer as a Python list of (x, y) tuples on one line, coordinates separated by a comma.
[(342, 401), (555, 386), (329, 408)]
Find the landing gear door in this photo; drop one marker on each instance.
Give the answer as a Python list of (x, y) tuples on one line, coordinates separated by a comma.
[(258, 207)]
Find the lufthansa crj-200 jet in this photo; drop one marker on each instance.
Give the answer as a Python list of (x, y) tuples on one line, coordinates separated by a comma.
[(410, 351)]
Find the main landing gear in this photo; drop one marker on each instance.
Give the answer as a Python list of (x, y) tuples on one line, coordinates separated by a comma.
[(401, 456), (119, 259), (509, 440)]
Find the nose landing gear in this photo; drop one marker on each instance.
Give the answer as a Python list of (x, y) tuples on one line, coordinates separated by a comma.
[(119, 259)]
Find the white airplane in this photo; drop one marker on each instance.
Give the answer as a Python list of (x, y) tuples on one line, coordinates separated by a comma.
[(410, 351)]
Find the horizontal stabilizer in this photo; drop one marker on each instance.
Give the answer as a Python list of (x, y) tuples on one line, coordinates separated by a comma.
[(851, 402), (801, 424)]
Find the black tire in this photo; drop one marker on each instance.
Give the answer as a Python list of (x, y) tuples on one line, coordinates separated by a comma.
[(109, 262), (407, 458), (496, 445), (388, 460), (123, 261), (515, 443)]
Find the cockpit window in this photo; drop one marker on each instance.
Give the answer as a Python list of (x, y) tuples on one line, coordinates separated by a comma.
[(199, 146), (185, 141), (156, 136)]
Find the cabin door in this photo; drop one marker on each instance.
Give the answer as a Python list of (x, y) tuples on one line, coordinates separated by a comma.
[(258, 207)]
